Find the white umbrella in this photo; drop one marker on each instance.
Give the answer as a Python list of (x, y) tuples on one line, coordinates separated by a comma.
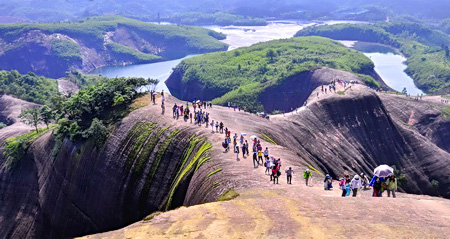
[(243, 134), (253, 137), (383, 171), (154, 93)]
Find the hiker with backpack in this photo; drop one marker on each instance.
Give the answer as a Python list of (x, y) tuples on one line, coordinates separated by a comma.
[(221, 127), (289, 173), (377, 185), (275, 173), (307, 175), (266, 153), (342, 186), (260, 157), (243, 150), (267, 164), (255, 160), (364, 180)]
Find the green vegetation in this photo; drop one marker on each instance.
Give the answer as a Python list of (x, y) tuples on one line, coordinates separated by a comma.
[(193, 164), (2, 125), (241, 75), (82, 79), (151, 216), (16, 148), (315, 170), (426, 50), (92, 30), (127, 52), (218, 18), (445, 111), (214, 172), (269, 139), (228, 195), (66, 50), (341, 92), (29, 87)]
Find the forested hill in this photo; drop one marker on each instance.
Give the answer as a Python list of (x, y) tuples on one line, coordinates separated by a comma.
[(427, 50), (50, 49)]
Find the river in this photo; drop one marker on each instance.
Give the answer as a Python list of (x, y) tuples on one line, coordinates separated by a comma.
[(389, 65)]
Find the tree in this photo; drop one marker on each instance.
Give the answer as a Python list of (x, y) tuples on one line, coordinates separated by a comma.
[(31, 117), (270, 53), (151, 84), (404, 91), (46, 115)]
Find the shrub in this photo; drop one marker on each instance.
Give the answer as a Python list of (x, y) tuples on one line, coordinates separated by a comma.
[(228, 195)]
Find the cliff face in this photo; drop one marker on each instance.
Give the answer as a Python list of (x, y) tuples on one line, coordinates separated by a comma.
[(356, 133), (84, 189)]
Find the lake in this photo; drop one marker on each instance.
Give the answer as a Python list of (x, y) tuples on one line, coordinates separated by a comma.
[(389, 64)]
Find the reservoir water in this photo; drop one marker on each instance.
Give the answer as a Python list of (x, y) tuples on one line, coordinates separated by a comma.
[(388, 63)]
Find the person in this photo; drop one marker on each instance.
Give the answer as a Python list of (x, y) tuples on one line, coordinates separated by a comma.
[(355, 184), (225, 145), (217, 126), (342, 186), (243, 150), (241, 140), (376, 184), (221, 127), (246, 147), (255, 160), (307, 176), (327, 182), (175, 107), (391, 185), (266, 153), (267, 164), (260, 157), (163, 108), (364, 181), (236, 150), (226, 131), (275, 173), (289, 173), (212, 126), (190, 116)]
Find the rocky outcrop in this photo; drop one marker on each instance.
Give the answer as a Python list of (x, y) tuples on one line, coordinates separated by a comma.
[(355, 132), (142, 168)]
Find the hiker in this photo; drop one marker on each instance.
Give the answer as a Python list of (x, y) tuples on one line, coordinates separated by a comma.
[(181, 110), (243, 150), (163, 108), (212, 126), (266, 153), (241, 140), (217, 126), (260, 157), (174, 108), (328, 182), (364, 181), (225, 145), (307, 176), (236, 150), (289, 173), (255, 156), (226, 131), (376, 184), (221, 127), (391, 185), (190, 116), (246, 147), (267, 164), (355, 185), (342, 186), (275, 173)]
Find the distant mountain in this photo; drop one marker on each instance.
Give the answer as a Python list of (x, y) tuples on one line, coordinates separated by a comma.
[(51, 49)]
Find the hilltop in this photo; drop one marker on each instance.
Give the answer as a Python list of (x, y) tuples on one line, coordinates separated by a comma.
[(51, 49), (253, 76)]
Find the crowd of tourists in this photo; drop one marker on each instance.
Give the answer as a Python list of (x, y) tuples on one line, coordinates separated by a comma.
[(261, 156)]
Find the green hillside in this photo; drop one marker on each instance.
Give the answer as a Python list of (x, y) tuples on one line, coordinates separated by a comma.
[(425, 49)]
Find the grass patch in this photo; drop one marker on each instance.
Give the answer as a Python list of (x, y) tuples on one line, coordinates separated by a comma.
[(200, 155), (214, 172), (151, 216), (445, 110), (266, 137), (16, 148), (315, 170), (228, 195), (341, 92), (141, 101)]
